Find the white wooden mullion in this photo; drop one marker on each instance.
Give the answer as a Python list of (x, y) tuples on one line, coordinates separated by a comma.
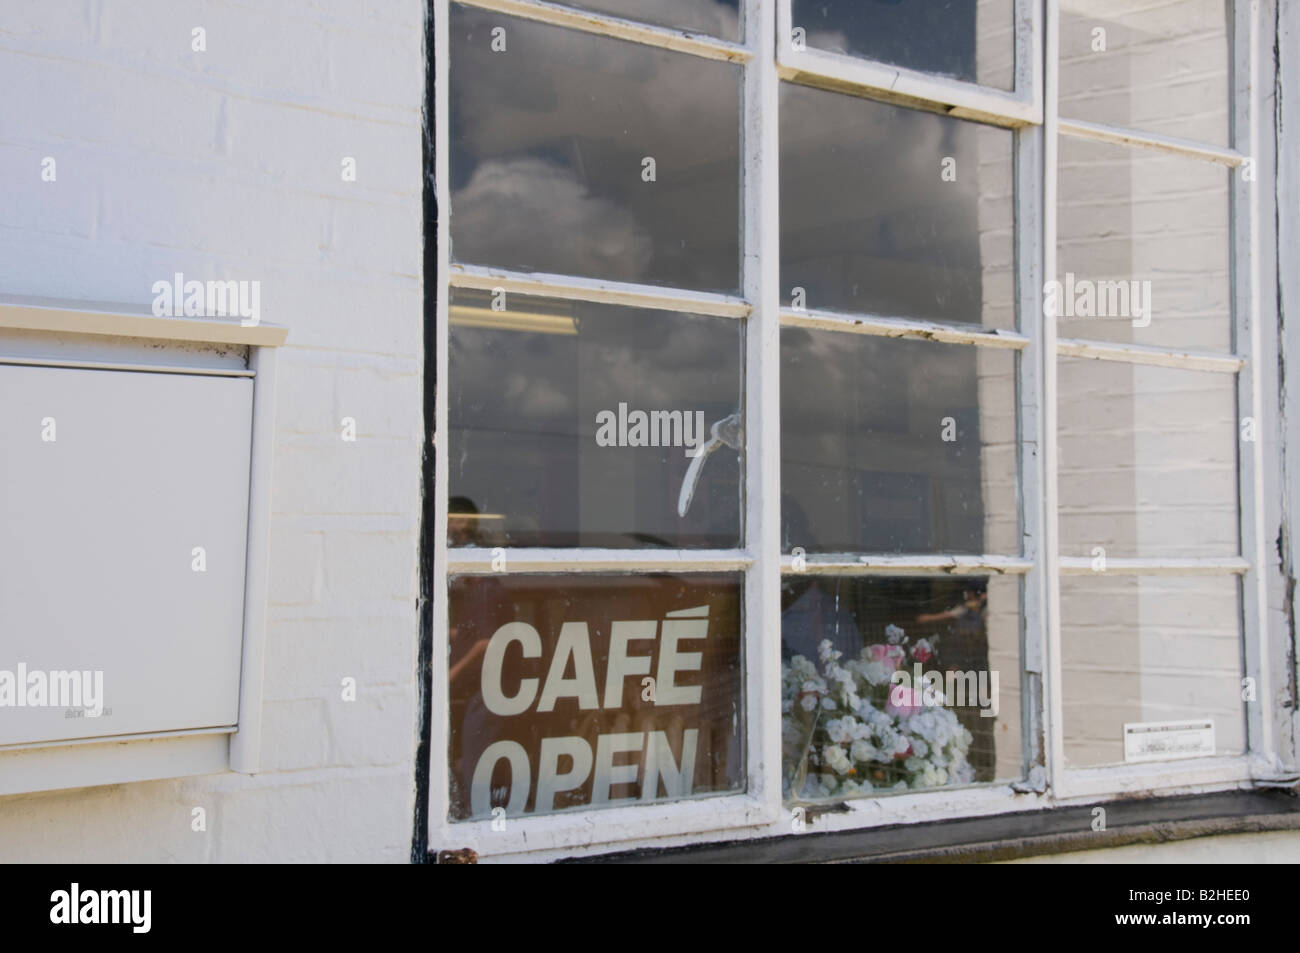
[(760, 279), (892, 327), (1152, 356), (1246, 265), (1029, 377), (1053, 713), (1117, 135), (601, 24), (569, 287)]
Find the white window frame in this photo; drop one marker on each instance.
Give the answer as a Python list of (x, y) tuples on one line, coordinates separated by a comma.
[(1031, 111)]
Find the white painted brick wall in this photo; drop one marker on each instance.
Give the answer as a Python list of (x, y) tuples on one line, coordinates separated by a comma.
[(226, 164)]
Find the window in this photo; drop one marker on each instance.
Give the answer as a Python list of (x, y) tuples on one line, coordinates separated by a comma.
[(839, 399)]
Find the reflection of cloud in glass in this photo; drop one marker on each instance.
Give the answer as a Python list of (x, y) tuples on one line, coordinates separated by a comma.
[(720, 18), (550, 137), (528, 210), (654, 360)]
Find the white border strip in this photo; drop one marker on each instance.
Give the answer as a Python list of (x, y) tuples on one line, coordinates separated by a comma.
[(602, 292), (680, 41), (903, 328)]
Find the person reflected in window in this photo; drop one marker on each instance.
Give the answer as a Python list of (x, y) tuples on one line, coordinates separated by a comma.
[(813, 608), (964, 647)]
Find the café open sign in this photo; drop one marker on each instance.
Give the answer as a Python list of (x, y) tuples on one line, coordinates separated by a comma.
[(611, 690)]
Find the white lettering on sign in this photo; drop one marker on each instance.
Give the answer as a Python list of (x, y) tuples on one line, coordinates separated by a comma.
[(493, 695), (567, 763)]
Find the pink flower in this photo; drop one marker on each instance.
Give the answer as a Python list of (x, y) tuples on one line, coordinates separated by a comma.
[(891, 655), (903, 701)]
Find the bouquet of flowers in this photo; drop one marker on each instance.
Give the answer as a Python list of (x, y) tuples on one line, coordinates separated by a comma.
[(852, 728)]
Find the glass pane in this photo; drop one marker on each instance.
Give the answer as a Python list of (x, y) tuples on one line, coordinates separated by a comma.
[(574, 424), (897, 446), (892, 211), (971, 40), (1138, 650), (1158, 67), (1148, 461), (719, 18), (573, 690), (890, 684), (1143, 245), (584, 155)]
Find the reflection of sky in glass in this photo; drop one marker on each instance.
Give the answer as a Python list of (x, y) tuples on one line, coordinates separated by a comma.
[(933, 36), (720, 18), (526, 387), (548, 140), (869, 225), (864, 467)]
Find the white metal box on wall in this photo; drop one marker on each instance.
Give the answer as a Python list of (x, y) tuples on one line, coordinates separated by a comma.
[(133, 499)]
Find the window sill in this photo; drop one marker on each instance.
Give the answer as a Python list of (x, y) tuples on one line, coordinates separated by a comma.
[(1002, 837)]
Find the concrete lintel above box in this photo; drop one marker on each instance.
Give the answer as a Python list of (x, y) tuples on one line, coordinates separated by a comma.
[(134, 492), (121, 320)]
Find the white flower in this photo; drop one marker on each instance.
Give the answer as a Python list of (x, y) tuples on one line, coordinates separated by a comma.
[(877, 673), (841, 730), (827, 652), (893, 634), (809, 702), (863, 751), (836, 759)]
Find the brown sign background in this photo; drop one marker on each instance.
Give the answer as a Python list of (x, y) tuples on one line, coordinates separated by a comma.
[(481, 605)]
